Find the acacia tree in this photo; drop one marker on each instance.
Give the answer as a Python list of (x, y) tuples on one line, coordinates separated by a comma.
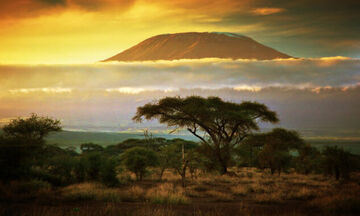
[(220, 125), (22, 142), (32, 128)]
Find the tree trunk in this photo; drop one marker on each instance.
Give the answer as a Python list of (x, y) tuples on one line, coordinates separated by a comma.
[(183, 180), (183, 174), (224, 169), (337, 173), (161, 173), (272, 171)]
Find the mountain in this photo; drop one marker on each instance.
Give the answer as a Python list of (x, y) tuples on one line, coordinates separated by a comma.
[(195, 45)]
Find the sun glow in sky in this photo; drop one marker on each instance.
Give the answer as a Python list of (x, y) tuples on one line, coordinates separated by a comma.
[(50, 49), (79, 31)]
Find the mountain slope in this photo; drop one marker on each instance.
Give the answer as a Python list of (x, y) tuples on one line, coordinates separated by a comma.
[(194, 45)]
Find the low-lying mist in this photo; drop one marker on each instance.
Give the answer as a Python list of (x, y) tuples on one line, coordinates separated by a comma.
[(306, 93)]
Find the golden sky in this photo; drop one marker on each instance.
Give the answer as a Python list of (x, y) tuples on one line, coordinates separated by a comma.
[(86, 31)]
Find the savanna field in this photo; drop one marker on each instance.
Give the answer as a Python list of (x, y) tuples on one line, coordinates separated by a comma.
[(250, 192), (233, 170), (179, 108)]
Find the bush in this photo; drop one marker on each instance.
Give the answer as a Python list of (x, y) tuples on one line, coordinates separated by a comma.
[(337, 162), (137, 159), (21, 145), (108, 172)]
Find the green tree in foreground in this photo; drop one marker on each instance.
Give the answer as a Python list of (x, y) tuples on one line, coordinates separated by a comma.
[(179, 155), (22, 143), (138, 159), (220, 125)]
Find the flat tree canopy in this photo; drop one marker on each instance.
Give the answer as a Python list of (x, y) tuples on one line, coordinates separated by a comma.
[(22, 144), (220, 125), (34, 127)]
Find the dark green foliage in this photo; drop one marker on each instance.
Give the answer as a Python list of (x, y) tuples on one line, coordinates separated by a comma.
[(166, 154), (108, 172), (246, 154), (62, 168), (154, 144), (32, 128), (275, 160), (224, 124), (93, 162), (138, 159), (337, 162), (22, 144), (308, 160), (275, 148), (179, 155)]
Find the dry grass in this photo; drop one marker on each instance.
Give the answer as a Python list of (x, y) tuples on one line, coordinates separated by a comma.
[(343, 200), (95, 191), (313, 192), (24, 190), (167, 193), (273, 197), (240, 190), (220, 196)]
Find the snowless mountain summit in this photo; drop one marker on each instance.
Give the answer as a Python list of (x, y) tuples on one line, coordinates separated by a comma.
[(196, 45)]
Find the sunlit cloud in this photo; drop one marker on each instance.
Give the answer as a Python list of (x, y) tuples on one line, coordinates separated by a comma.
[(126, 90), (137, 77), (44, 90), (248, 88), (106, 95), (267, 11)]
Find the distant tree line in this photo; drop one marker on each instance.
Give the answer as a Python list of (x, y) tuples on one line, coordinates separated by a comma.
[(227, 134)]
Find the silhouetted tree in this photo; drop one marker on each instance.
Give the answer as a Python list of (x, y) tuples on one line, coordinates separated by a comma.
[(308, 159), (224, 124), (276, 146), (22, 143), (337, 162)]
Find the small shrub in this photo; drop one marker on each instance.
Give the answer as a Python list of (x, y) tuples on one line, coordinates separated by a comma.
[(138, 159), (108, 173)]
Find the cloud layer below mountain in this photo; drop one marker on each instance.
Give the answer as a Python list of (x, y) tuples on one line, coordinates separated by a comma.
[(306, 93)]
